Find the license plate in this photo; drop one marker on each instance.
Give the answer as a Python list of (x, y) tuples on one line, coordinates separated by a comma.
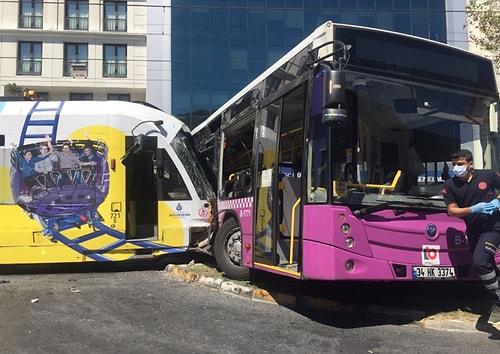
[(433, 273)]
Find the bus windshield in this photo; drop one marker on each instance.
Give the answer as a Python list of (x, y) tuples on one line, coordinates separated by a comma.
[(400, 143), (405, 117)]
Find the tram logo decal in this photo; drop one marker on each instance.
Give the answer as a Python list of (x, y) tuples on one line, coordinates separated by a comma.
[(60, 184)]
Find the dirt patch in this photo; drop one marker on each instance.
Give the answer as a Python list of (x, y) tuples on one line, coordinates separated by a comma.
[(458, 315), (193, 271)]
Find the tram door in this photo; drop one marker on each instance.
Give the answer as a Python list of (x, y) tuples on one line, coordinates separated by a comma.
[(141, 190)]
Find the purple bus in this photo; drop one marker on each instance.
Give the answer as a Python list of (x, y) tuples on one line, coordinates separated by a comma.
[(330, 164)]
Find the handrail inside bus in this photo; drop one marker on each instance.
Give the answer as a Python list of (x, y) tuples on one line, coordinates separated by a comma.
[(383, 187), (292, 229), (390, 187)]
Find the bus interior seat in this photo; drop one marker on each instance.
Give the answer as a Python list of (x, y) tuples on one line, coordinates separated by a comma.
[(238, 185), (320, 195)]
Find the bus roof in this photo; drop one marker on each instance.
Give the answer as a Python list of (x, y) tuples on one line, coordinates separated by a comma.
[(483, 71)]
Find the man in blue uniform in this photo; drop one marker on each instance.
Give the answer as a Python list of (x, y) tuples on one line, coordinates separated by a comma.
[(471, 195)]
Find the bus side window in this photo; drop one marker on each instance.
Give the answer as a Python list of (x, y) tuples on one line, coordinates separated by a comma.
[(171, 186)]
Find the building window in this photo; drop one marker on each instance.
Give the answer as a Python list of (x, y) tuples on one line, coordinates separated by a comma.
[(76, 96), (118, 97), (115, 16), (29, 58), (31, 14), (115, 60), (75, 59), (76, 16)]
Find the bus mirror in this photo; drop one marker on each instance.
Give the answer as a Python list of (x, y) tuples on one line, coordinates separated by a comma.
[(334, 116), (334, 112), (494, 115), (333, 89)]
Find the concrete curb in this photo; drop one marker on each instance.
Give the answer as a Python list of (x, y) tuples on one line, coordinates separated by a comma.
[(185, 274)]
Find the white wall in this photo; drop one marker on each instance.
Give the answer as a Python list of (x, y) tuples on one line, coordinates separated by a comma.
[(159, 68)]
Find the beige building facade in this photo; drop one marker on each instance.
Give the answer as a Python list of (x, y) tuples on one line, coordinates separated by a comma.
[(74, 49)]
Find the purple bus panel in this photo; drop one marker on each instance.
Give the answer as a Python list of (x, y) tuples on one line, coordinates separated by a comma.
[(382, 245), (243, 208)]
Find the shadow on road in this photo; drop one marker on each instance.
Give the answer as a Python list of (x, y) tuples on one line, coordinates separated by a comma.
[(354, 304), (139, 264), (341, 304)]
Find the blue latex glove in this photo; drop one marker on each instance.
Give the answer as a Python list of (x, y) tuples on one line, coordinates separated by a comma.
[(480, 208), (492, 206)]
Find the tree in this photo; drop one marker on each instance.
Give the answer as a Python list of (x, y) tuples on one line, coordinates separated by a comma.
[(14, 90), (484, 15)]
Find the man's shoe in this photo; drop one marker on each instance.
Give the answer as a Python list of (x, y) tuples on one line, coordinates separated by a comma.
[(494, 315)]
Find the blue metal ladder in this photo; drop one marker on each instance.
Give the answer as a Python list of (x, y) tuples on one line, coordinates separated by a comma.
[(33, 120)]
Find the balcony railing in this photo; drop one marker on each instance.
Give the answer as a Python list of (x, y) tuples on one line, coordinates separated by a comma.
[(115, 69), (115, 25), (76, 23), (30, 21), (29, 67)]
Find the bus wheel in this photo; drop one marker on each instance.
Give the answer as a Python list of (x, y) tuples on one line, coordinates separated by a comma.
[(227, 251)]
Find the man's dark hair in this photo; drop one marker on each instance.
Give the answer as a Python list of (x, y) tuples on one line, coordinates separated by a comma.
[(462, 153)]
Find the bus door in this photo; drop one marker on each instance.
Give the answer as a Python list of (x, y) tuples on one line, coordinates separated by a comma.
[(290, 153), (278, 203), (141, 189), (266, 194)]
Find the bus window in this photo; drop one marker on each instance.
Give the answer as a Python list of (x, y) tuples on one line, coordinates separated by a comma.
[(317, 171), (170, 183), (237, 158)]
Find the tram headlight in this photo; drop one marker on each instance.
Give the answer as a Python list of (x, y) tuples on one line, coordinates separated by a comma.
[(345, 228)]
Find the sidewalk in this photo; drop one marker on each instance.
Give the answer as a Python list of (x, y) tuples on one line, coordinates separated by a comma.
[(191, 273)]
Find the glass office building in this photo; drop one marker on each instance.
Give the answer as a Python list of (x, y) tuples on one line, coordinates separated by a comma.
[(216, 47)]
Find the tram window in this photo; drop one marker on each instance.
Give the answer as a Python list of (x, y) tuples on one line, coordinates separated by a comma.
[(171, 186)]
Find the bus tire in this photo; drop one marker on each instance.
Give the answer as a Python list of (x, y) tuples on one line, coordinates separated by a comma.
[(227, 251)]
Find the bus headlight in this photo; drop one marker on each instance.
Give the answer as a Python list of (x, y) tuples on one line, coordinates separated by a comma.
[(349, 266), (345, 228), (349, 242)]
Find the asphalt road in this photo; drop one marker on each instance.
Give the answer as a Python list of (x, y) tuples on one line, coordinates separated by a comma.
[(143, 311)]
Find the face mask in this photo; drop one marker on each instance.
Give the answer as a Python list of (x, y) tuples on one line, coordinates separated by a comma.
[(460, 171)]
